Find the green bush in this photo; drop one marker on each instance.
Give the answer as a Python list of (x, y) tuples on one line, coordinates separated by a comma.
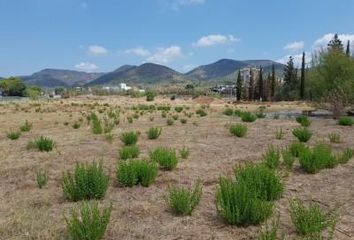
[(261, 180), (133, 172), (43, 144), (13, 135), (154, 132), (76, 125), (346, 155), (311, 221), (201, 112), (302, 134), (260, 115), (26, 127), (296, 148), (238, 205), (271, 158), (127, 152), (87, 182), (303, 120), (279, 134), (288, 158), (345, 121), (312, 161), (184, 152), (129, 138), (42, 178), (238, 130), (248, 117), (88, 222), (228, 112), (169, 121), (150, 95), (165, 157), (96, 127), (178, 109), (183, 120), (269, 232), (182, 201)]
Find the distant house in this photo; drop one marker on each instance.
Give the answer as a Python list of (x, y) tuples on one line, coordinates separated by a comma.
[(123, 86)]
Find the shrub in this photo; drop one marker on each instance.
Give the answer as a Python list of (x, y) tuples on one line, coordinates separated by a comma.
[(43, 144), (346, 155), (150, 95), (76, 125), (296, 148), (87, 182), (165, 157), (183, 120), (334, 137), (129, 138), (288, 158), (154, 132), (201, 112), (182, 201), (228, 112), (127, 152), (133, 172), (238, 205), (96, 127), (169, 121), (279, 134), (271, 157), (163, 114), (312, 161), (345, 121), (269, 233), (178, 109), (88, 222), (26, 127), (13, 135), (260, 115), (311, 221), (261, 180), (42, 178), (303, 120), (238, 130), (302, 134), (130, 119), (248, 117), (184, 152)]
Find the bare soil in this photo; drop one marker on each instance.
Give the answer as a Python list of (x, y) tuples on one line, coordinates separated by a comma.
[(27, 212)]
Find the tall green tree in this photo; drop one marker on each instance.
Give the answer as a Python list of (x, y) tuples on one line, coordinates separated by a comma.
[(302, 78), (239, 87), (336, 45), (347, 52), (251, 86), (290, 86), (260, 85), (13, 87), (272, 83)]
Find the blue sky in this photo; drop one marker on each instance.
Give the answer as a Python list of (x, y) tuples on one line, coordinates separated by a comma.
[(93, 35)]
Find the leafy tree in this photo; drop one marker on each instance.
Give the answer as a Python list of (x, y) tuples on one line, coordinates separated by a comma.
[(251, 87), (302, 79), (239, 86), (272, 84), (260, 85), (347, 52), (13, 87), (336, 44), (289, 91), (33, 92)]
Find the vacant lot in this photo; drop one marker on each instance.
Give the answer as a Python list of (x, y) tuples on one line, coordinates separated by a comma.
[(27, 212)]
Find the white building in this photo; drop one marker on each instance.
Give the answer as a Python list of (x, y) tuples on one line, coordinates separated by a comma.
[(123, 86)]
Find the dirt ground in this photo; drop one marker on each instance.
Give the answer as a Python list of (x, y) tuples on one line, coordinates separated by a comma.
[(27, 212)]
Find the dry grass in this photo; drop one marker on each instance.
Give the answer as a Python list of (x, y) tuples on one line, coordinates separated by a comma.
[(27, 212)]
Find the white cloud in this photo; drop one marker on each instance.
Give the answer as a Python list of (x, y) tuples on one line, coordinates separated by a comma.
[(139, 51), (215, 39), (97, 50), (165, 55), (86, 66), (325, 39), (297, 59), (295, 46), (177, 4)]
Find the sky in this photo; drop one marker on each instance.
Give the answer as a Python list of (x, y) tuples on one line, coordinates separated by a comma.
[(101, 35)]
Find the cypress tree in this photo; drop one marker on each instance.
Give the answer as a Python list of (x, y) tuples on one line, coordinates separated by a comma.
[(290, 80), (347, 52), (272, 84), (302, 79), (251, 87), (260, 84), (239, 86), (336, 44)]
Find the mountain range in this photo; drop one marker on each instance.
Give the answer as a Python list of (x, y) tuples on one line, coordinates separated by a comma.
[(148, 73)]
